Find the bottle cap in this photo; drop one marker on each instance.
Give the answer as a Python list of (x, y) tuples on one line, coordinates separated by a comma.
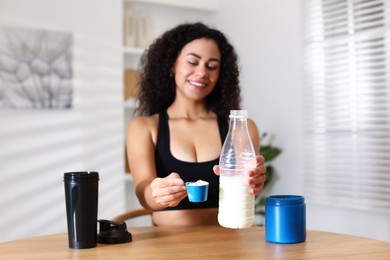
[(238, 114)]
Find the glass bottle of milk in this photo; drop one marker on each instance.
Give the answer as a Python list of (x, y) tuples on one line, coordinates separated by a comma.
[(236, 204)]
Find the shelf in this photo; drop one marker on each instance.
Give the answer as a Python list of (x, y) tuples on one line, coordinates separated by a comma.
[(204, 5), (133, 50)]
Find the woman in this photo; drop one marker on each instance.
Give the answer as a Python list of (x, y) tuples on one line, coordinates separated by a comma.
[(189, 84)]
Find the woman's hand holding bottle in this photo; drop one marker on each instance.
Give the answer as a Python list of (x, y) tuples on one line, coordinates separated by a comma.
[(256, 177)]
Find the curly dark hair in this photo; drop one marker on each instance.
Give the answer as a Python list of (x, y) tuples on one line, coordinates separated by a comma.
[(158, 89)]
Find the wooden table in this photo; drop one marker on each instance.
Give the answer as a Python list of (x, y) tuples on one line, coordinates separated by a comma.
[(201, 242)]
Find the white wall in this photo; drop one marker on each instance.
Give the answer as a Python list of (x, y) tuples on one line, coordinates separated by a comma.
[(267, 35), (37, 147)]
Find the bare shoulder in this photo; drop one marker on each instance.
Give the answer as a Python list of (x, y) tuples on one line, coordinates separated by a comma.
[(252, 125), (144, 121), (142, 127)]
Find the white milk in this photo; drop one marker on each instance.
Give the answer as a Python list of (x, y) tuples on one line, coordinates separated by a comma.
[(236, 204)]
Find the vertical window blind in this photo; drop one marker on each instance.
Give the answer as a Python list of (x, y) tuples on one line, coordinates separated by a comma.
[(346, 103)]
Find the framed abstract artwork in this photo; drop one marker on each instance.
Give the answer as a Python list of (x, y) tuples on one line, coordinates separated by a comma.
[(35, 69)]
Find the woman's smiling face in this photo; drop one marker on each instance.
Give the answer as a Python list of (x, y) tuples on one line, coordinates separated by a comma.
[(197, 68)]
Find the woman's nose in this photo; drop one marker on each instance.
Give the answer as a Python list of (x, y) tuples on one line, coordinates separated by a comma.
[(201, 71)]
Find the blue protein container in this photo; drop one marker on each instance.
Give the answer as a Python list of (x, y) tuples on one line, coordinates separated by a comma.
[(285, 219)]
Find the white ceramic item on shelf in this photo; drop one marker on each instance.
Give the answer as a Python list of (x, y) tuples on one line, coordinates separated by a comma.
[(143, 29), (129, 32), (136, 29)]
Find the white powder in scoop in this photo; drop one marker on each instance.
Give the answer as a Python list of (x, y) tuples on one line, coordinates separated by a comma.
[(198, 183)]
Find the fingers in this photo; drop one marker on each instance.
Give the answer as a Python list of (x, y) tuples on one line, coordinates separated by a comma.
[(171, 200), (168, 191), (172, 179), (174, 175), (257, 176), (216, 169), (260, 159), (256, 183), (259, 164)]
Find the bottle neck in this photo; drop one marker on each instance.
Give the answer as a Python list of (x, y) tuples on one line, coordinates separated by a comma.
[(238, 153), (238, 122)]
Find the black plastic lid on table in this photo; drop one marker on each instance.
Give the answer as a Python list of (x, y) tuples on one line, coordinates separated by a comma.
[(111, 232)]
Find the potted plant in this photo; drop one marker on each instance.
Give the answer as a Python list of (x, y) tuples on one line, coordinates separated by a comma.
[(269, 152)]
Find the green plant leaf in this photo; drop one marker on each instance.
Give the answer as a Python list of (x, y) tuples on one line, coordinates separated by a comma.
[(269, 152), (268, 174)]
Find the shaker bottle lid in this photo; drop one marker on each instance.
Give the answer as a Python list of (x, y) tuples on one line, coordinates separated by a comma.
[(284, 200), (111, 232), (81, 176)]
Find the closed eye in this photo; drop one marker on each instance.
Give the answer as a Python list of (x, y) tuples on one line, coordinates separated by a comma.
[(192, 63), (212, 68), (212, 65)]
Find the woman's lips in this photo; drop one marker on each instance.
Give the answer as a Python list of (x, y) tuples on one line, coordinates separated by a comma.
[(197, 84)]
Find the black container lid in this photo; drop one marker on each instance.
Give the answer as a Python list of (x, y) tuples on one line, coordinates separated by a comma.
[(81, 176), (111, 232)]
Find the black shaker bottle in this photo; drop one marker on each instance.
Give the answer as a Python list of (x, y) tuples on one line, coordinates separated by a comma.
[(81, 197)]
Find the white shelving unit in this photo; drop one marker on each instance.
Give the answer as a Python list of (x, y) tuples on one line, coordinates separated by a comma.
[(136, 51), (203, 5), (165, 14)]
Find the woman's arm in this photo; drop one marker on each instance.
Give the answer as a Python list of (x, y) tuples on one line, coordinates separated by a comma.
[(152, 192), (254, 133)]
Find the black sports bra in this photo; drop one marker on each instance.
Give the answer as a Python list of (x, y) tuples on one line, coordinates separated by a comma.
[(166, 163)]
